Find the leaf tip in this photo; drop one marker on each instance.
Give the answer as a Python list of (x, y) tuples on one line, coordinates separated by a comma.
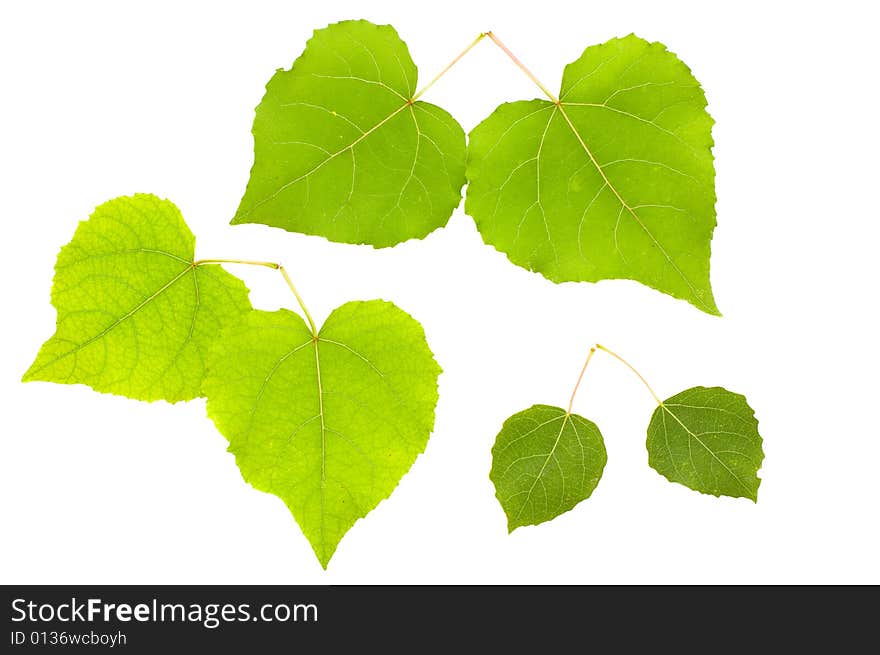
[(323, 555), (754, 495), (704, 300), (32, 373)]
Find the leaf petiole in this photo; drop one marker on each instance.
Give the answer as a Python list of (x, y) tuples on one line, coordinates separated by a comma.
[(580, 377), (249, 262), (505, 49), (592, 352), (277, 267), (523, 68), (631, 368), (300, 301), (452, 63)]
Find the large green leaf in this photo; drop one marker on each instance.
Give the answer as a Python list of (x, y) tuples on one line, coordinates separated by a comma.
[(544, 462), (135, 316), (340, 149), (707, 439), (615, 181), (328, 423)]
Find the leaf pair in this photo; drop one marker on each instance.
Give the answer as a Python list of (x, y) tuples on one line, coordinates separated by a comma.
[(612, 179), (546, 460), (328, 420)]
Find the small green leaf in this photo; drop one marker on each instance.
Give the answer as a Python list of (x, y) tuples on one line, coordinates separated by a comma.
[(135, 317), (544, 462), (328, 424), (341, 151), (707, 439), (615, 181)]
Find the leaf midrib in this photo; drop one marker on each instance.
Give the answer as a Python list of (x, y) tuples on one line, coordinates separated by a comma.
[(326, 160), (116, 323), (565, 419), (315, 340), (750, 493), (561, 107)]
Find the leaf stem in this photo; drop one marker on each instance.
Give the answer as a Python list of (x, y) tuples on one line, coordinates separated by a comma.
[(300, 301), (277, 267), (452, 63), (248, 262), (631, 368), (523, 68), (580, 377)]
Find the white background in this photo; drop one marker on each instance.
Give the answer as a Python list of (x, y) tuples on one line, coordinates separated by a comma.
[(106, 99)]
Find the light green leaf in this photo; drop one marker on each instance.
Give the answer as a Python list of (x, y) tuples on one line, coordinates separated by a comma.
[(328, 424), (135, 316), (616, 181), (341, 151), (544, 462), (707, 439)]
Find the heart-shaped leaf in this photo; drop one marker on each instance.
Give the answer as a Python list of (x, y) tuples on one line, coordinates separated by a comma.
[(136, 316), (329, 423), (615, 180), (342, 150)]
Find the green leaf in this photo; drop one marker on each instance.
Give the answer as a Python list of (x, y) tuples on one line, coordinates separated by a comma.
[(341, 151), (328, 424), (616, 181), (544, 462), (707, 439), (135, 316)]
